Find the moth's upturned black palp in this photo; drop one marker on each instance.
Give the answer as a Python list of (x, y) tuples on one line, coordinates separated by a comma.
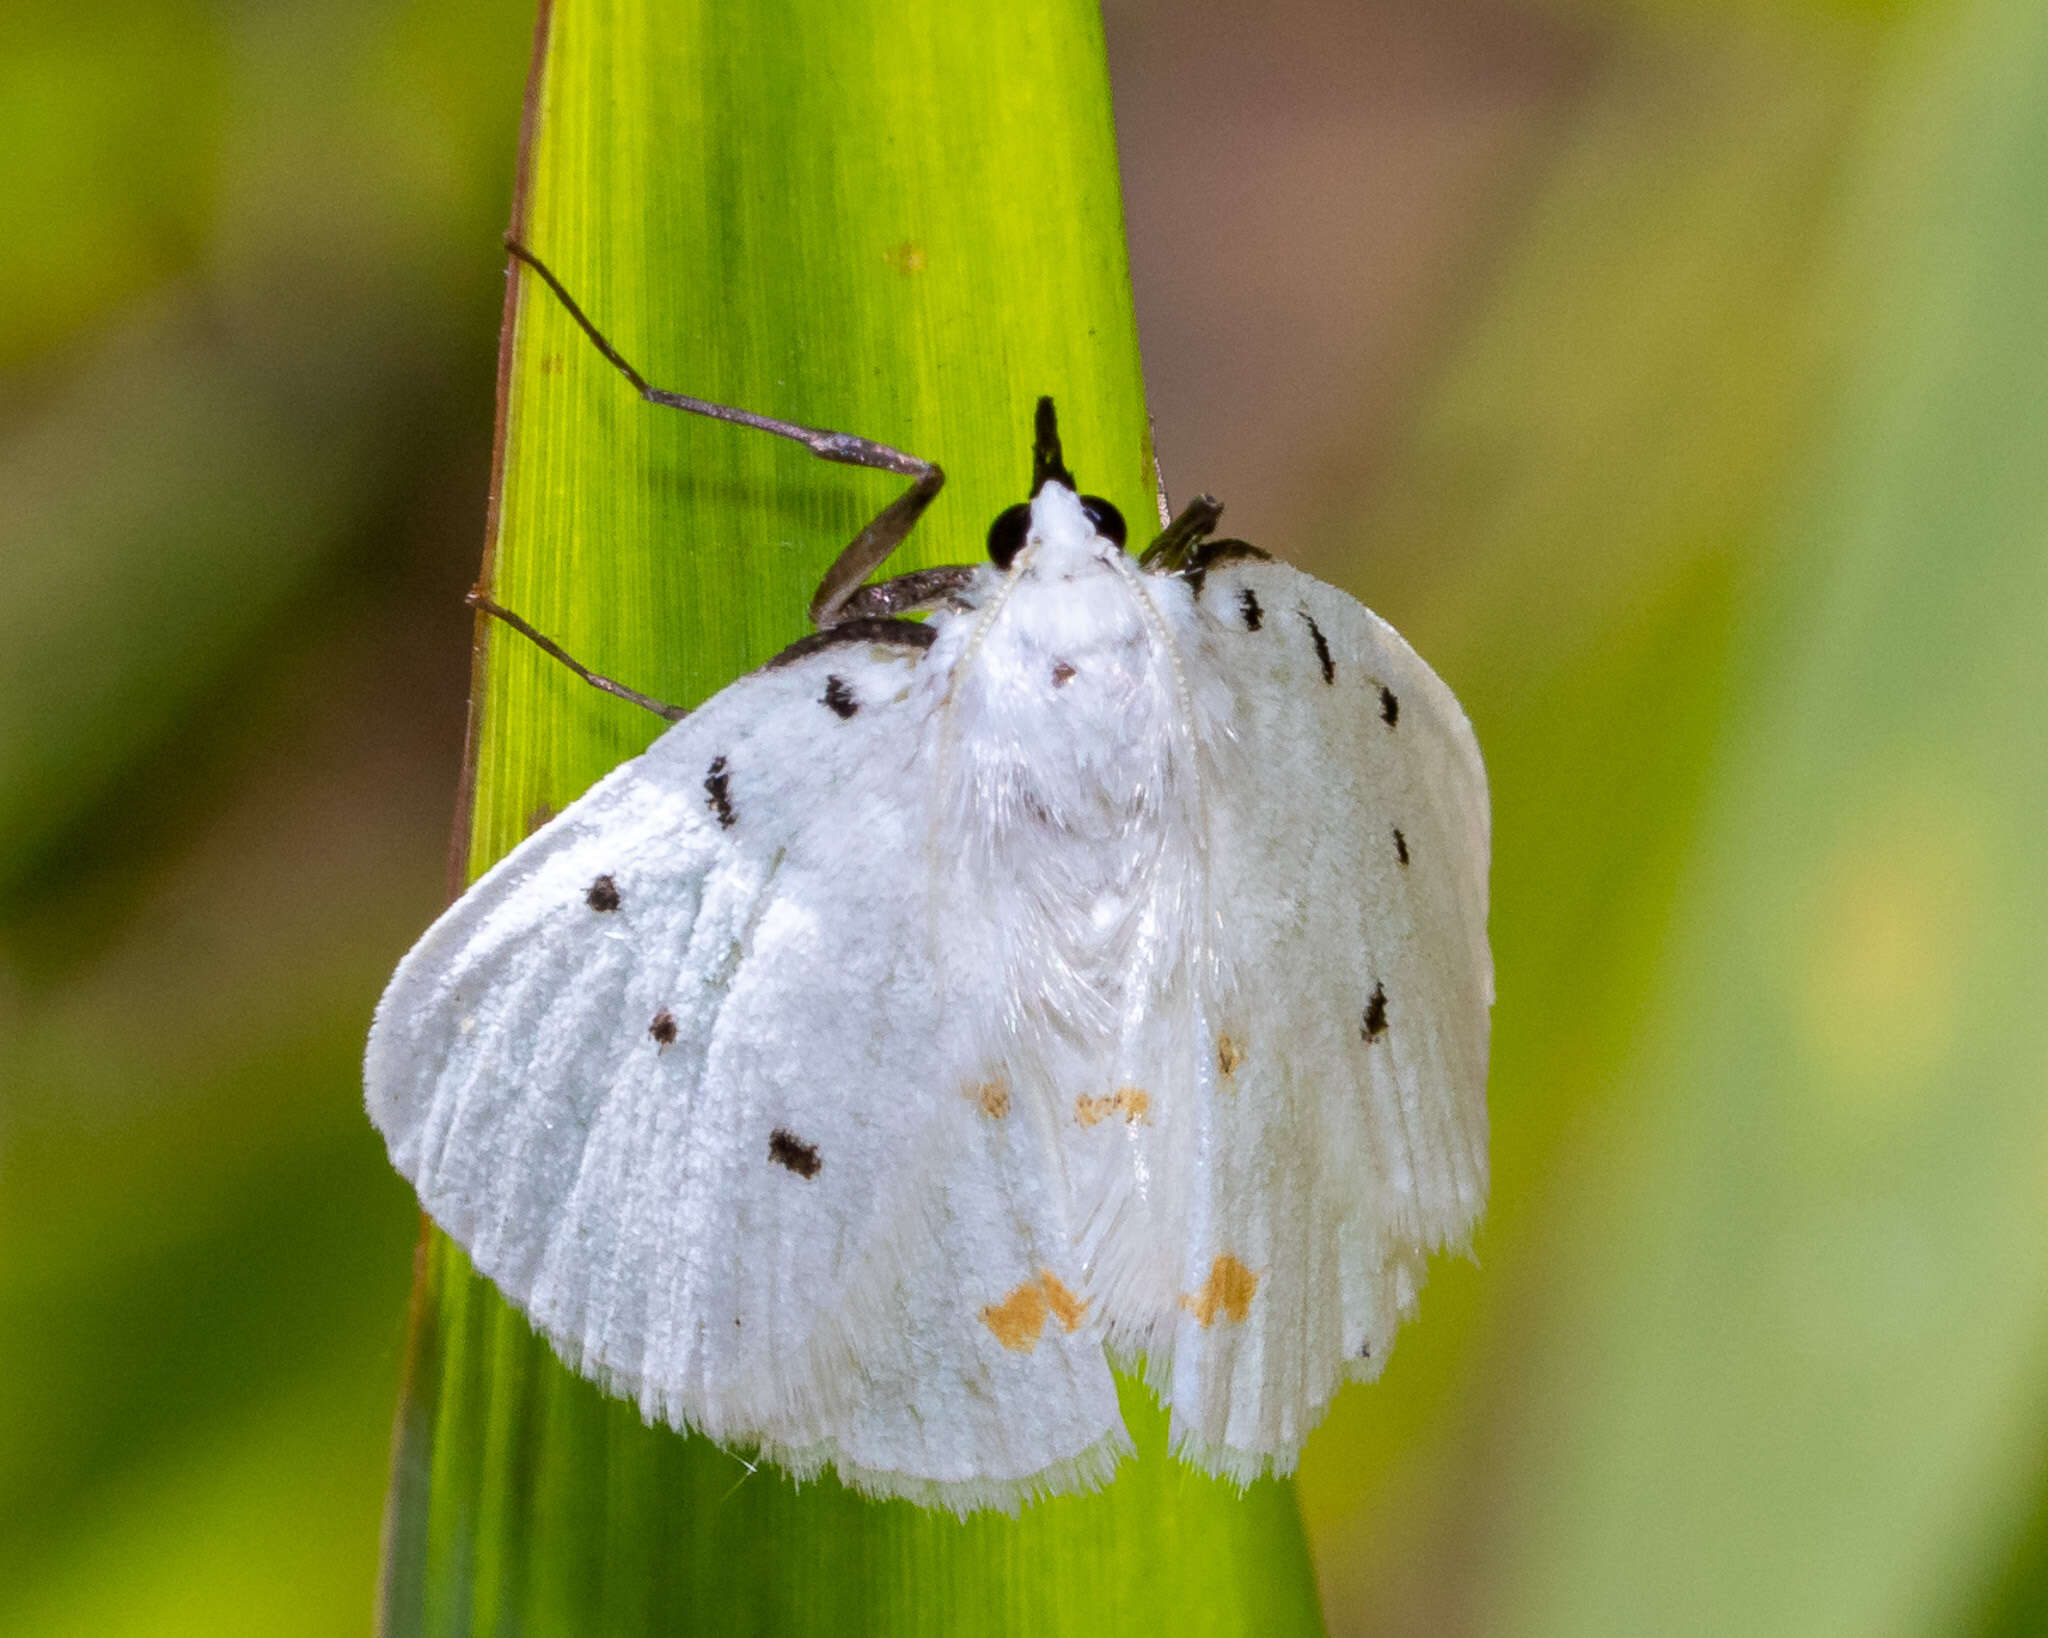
[(1048, 464)]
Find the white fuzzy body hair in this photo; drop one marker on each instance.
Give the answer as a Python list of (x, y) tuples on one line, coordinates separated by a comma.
[(1077, 859)]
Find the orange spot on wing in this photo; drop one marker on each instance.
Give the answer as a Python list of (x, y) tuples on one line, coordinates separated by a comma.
[(993, 1097), (1228, 1055), (1229, 1287), (1018, 1318), (1067, 1308), (1133, 1103)]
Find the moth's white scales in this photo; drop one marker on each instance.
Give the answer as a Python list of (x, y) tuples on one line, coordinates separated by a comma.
[(915, 1027)]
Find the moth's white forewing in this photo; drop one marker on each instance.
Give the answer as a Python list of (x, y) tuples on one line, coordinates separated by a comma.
[(675, 1073), (1346, 1134)]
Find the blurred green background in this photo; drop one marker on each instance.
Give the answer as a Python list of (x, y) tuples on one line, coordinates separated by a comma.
[(1675, 375)]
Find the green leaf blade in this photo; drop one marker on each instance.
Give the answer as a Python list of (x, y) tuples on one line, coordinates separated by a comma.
[(901, 222)]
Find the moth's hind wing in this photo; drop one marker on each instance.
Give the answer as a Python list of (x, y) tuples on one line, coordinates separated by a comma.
[(665, 1071), (981, 1366), (1346, 1134)]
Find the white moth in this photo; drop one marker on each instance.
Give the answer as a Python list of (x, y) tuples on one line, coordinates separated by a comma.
[(1095, 971)]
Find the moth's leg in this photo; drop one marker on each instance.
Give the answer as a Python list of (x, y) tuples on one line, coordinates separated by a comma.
[(547, 645), (911, 593), (1169, 553), (869, 549)]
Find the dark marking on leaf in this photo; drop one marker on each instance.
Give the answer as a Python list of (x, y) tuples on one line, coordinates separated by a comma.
[(785, 1148), (663, 1029), (1322, 647), (1390, 708), (603, 894), (1376, 1014), (1062, 673), (541, 814), (718, 789), (840, 697), (1400, 845), (1248, 607)]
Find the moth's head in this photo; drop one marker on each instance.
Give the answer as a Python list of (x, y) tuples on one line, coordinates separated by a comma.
[(1057, 515)]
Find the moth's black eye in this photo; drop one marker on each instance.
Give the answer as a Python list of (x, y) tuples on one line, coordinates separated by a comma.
[(1006, 534), (1108, 521)]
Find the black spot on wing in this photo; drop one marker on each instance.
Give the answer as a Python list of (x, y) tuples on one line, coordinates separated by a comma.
[(603, 894), (1248, 608), (785, 1148), (718, 792), (1390, 708), (1365, 1350), (1400, 845), (663, 1029), (839, 697), (1322, 647), (1375, 1014)]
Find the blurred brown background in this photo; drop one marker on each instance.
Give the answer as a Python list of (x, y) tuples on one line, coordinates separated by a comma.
[(1675, 374)]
